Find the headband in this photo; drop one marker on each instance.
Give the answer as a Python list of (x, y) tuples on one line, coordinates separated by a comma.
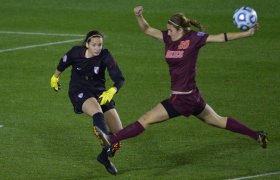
[(95, 35), (173, 23)]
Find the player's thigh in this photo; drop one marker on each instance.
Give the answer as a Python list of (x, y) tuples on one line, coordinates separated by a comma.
[(91, 106), (209, 116), (155, 115), (113, 120)]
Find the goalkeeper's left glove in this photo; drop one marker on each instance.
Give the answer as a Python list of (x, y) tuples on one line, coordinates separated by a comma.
[(107, 96)]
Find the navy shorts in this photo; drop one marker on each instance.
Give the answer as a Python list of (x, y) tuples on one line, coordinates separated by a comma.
[(184, 104), (78, 97)]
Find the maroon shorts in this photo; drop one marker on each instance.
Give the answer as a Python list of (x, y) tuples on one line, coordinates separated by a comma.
[(184, 104)]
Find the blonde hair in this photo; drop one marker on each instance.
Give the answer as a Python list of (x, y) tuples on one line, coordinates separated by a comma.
[(179, 20)]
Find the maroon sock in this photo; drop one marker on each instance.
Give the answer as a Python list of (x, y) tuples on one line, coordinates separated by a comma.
[(129, 131), (235, 126)]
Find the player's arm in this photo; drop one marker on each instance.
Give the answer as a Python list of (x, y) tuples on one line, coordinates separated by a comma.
[(144, 25), (116, 76), (57, 73), (64, 62), (229, 36)]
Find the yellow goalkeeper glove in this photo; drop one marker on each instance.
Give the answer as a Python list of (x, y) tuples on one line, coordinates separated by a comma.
[(55, 84), (107, 96)]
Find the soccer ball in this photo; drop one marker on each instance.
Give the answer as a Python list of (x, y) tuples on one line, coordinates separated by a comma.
[(245, 18)]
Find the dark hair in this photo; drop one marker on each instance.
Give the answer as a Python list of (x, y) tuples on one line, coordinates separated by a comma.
[(92, 34), (179, 20)]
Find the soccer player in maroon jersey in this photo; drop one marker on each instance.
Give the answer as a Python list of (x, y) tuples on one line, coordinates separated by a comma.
[(87, 89), (182, 46)]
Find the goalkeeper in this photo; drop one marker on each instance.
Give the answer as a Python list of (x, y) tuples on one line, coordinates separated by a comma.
[(87, 90)]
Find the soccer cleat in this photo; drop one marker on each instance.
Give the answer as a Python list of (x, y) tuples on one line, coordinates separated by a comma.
[(262, 139), (104, 141), (97, 135), (112, 150), (110, 167)]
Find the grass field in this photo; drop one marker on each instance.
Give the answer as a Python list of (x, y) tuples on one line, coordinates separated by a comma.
[(42, 138)]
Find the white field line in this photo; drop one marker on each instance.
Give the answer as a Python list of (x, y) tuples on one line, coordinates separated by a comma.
[(41, 34), (256, 176), (38, 45)]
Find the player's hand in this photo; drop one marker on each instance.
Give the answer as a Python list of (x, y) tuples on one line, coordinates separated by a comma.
[(107, 96), (55, 84), (254, 29), (138, 10)]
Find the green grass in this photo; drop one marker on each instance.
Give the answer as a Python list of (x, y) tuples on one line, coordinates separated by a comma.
[(42, 138)]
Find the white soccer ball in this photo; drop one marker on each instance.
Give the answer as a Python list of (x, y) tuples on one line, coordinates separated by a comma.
[(245, 18)]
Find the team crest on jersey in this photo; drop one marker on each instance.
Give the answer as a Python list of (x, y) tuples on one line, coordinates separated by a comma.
[(81, 95), (64, 59), (96, 69), (184, 44), (200, 33)]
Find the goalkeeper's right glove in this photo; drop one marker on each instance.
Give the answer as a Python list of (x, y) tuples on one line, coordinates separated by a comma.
[(55, 84)]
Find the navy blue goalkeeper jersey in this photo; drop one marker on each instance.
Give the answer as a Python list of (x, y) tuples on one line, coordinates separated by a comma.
[(89, 73)]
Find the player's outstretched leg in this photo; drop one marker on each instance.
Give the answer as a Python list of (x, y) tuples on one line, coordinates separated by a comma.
[(262, 139), (103, 159)]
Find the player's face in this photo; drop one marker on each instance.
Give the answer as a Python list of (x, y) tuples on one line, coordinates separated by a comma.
[(173, 32), (95, 46)]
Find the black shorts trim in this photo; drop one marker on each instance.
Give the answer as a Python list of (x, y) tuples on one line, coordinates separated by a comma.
[(108, 106), (170, 109)]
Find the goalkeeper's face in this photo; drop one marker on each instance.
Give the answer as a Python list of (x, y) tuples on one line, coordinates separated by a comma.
[(95, 45)]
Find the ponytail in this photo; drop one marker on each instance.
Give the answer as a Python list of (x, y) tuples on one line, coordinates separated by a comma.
[(197, 24), (180, 21)]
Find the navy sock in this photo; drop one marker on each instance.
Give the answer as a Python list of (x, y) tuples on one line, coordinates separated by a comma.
[(98, 121)]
